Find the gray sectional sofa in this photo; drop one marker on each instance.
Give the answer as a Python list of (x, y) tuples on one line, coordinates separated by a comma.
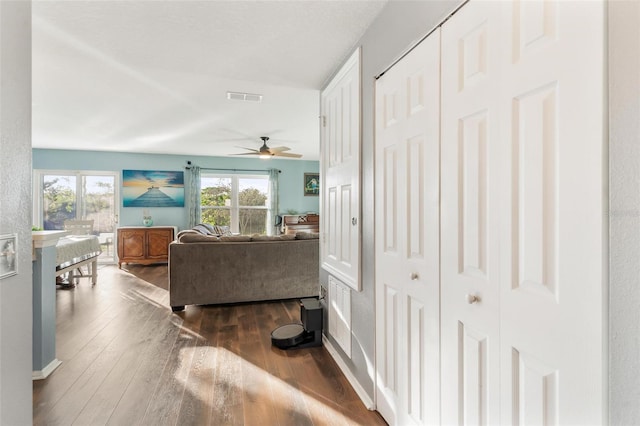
[(209, 269)]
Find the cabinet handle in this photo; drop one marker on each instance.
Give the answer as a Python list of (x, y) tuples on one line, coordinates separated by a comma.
[(472, 298), (414, 276), (354, 221)]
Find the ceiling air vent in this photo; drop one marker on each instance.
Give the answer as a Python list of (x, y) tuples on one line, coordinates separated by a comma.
[(239, 96)]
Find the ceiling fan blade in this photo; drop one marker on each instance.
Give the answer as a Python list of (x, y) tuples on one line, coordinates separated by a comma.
[(248, 153), (287, 154), (280, 149), (249, 149)]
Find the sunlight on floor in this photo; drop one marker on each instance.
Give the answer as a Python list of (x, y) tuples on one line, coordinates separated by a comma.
[(255, 384)]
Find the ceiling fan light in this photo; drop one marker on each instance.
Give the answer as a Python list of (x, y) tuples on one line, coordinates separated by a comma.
[(265, 156)]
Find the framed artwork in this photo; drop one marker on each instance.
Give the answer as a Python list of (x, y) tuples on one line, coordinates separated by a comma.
[(311, 184), (8, 255), (147, 188)]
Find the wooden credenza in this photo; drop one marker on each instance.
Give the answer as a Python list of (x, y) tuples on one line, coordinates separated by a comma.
[(144, 245), (303, 222)]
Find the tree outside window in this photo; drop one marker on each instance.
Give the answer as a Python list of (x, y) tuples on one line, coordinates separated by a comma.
[(63, 199), (215, 201), (237, 201)]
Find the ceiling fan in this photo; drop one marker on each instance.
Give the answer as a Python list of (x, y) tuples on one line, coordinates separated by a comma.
[(266, 152)]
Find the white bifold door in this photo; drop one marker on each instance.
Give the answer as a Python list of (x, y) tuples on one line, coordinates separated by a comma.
[(521, 274), (523, 214), (406, 243)]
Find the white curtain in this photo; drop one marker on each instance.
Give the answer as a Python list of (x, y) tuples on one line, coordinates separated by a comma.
[(195, 216), (272, 211)]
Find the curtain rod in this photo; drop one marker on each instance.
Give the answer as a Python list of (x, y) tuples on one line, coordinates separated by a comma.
[(188, 167)]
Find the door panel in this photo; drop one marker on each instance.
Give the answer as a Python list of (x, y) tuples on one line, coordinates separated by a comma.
[(158, 243), (391, 331), (534, 157), (407, 224), (340, 133), (133, 244), (535, 391), (469, 217), (472, 190), (522, 213), (552, 320), (473, 376)]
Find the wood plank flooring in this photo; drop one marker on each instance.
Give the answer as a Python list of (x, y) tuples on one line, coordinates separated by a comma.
[(128, 360)]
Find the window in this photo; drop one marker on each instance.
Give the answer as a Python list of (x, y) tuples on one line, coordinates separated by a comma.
[(238, 201), (60, 195)]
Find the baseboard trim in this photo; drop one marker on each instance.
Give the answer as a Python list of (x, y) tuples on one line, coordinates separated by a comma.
[(362, 394), (44, 373)]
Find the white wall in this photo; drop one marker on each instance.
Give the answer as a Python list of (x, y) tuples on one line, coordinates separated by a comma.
[(15, 211), (624, 225)]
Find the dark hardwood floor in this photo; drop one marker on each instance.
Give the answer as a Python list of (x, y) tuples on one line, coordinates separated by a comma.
[(128, 360)]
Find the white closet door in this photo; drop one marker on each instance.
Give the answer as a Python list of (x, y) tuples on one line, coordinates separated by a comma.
[(340, 238), (407, 227), (470, 213), (553, 253), (523, 214)]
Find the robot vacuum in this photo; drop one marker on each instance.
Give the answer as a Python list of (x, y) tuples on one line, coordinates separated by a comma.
[(305, 335)]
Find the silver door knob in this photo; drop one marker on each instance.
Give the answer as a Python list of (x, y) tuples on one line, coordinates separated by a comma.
[(472, 298), (413, 276)]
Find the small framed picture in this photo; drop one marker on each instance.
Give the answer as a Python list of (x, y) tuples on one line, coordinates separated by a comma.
[(311, 184), (8, 255)]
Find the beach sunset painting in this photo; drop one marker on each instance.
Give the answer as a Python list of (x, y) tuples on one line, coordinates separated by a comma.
[(147, 188)]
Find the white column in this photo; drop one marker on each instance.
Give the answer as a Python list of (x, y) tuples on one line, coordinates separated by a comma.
[(44, 303)]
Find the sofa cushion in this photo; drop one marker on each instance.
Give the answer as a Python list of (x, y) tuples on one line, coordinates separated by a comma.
[(185, 231), (190, 236), (235, 238), (307, 235), (262, 237)]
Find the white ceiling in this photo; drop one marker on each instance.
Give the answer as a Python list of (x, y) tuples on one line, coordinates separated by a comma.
[(152, 76)]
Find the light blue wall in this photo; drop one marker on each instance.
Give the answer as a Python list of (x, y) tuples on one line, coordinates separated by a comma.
[(291, 179)]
